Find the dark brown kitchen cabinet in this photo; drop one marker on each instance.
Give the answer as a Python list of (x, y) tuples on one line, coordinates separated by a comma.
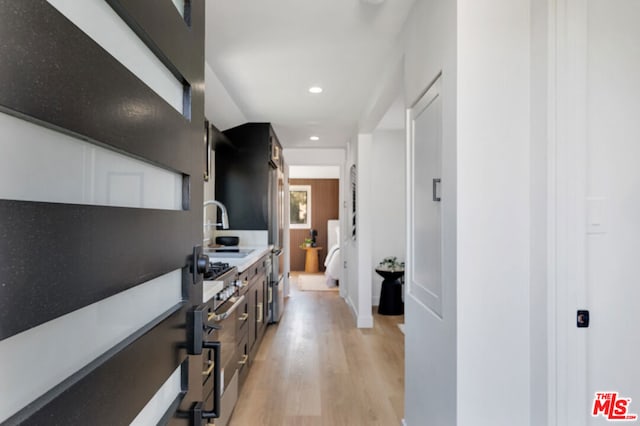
[(244, 160), (251, 296), (251, 324), (243, 360), (261, 307)]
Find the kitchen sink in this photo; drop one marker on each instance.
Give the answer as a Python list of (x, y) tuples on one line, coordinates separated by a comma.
[(228, 252)]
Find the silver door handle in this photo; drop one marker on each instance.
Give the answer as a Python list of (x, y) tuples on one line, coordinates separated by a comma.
[(436, 181)]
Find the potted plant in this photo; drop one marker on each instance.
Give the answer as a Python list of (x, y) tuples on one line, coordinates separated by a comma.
[(307, 243), (391, 264)]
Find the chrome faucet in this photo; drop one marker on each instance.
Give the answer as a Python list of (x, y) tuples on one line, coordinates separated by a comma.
[(223, 209)]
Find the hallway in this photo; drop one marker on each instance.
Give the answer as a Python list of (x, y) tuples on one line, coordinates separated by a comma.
[(316, 368)]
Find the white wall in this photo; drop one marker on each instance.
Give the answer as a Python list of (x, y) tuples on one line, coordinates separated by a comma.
[(483, 49), (387, 201), (314, 156), (223, 112), (493, 211), (219, 106), (349, 247), (539, 315), (364, 229), (314, 172)]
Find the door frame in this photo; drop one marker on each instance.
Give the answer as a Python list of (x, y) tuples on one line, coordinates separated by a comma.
[(567, 210)]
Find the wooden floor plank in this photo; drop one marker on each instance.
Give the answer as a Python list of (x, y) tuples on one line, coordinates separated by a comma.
[(316, 368)]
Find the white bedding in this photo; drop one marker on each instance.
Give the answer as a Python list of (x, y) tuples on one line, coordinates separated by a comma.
[(333, 261)]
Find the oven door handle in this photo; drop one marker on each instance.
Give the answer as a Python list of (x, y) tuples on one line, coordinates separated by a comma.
[(198, 413), (225, 315)]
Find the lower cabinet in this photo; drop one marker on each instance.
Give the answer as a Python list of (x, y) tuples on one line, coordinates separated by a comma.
[(249, 320), (260, 317), (227, 402), (251, 295), (252, 317), (243, 363)]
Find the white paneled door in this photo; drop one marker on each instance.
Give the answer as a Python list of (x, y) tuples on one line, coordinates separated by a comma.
[(425, 281), (599, 212), (430, 305)]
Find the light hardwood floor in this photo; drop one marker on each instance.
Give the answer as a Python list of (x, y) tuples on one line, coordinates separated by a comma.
[(316, 368)]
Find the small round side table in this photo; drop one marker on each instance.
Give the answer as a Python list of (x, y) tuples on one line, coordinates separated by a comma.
[(311, 259), (391, 292)]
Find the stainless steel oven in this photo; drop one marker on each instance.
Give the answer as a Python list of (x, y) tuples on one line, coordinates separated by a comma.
[(222, 316)]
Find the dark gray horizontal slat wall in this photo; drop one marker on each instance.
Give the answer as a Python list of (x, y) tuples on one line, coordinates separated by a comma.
[(56, 258), (54, 74), (87, 95), (114, 392)]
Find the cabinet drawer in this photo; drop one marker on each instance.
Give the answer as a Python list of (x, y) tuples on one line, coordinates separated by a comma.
[(242, 318), (256, 268), (243, 360), (243, 277)]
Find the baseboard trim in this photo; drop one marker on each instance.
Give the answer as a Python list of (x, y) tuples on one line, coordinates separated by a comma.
[(352, 307), (362, 321), (365, 321)]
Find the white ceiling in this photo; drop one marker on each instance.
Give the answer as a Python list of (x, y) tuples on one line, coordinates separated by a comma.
[(267, 53)]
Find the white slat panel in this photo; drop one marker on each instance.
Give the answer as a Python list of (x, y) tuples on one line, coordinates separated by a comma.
[(179, 4), (96, 19), (63, 169), (152, 413), (34, 361)]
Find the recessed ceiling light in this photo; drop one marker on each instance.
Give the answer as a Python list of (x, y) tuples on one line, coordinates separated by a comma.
[(314, 138), (315, 89)]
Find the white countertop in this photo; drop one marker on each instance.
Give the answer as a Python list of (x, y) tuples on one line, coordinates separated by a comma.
[(210, 288), (242, 263)]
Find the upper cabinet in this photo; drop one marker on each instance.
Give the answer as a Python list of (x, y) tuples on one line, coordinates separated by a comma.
[(246, 164)]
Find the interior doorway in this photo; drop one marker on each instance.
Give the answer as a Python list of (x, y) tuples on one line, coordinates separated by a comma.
[(314, 218)]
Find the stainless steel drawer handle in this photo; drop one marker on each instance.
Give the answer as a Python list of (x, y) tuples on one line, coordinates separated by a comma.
[(243, 317), (244, 360), (260, 312), (225, 315)]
